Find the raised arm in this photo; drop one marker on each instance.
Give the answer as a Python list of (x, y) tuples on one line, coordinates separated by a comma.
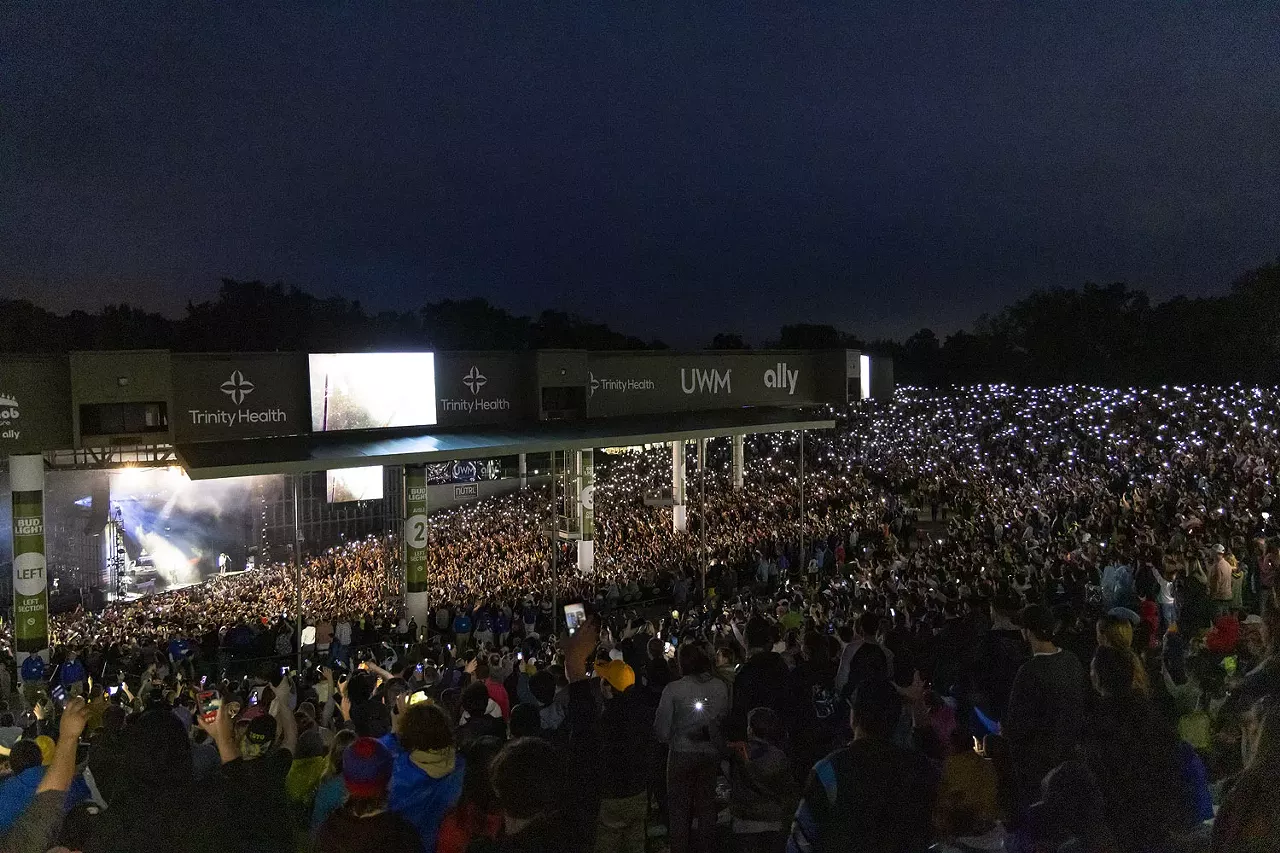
[(284, 716)]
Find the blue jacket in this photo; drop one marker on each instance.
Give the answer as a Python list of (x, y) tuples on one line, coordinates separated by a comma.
[(330, 796), (17, 792), (417, 797), (71, 672)]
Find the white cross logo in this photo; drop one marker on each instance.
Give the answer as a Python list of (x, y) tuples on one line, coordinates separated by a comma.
[(475, 380), (237, 387), (595, 383)]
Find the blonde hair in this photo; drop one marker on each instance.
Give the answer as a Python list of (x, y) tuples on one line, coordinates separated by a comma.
[(343, 739), (1117, 632)]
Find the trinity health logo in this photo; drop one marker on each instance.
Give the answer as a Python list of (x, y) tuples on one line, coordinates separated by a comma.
[(237, 387)]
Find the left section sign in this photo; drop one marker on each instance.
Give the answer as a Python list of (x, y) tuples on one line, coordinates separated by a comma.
[(239, 396)]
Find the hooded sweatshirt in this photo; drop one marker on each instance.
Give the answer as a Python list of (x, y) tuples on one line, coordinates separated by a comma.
[(424, 786), (690, 711)]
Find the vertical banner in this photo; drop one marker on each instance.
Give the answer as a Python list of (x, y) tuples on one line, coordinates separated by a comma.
[(679, 512), (30, 592), (586, 484), (739, 460), (416, 540)]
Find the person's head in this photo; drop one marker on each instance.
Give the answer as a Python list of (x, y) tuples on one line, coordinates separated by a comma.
[(765, 724), (759, 634), (157, 752), (542, 685), (523, 776), (1112, 672), (343, 739), (875, 708), (259, 737), (475, 698), (360, 686), (25, 755), (693, 659), (1251, 723), (525, 721), (1004, 607), (615, 677), (1070, 803), (868, 625), (1115, 631), (816, 647), (425, 727), (477, 783), (1037, 624), (366, 772)]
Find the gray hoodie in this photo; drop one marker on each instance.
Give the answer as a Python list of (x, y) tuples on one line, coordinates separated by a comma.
[(690, 712)]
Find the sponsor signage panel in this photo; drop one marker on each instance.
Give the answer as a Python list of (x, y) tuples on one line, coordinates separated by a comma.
[(466, 491), (625, 384), (484, 388), (243, 396), (35, 404), (416, 528), (372, 390)]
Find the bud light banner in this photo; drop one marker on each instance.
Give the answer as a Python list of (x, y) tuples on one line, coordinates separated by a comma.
[(416, 529), (30, 592), (640, 383)]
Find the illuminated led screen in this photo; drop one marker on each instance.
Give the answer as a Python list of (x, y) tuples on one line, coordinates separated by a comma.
[(372, 390), (353, 484)]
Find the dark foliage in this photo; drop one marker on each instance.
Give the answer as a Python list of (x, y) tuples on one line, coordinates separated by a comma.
[(1102, 334)]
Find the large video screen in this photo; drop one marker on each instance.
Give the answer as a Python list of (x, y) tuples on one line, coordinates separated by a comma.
[(353, 484), (372, 390)]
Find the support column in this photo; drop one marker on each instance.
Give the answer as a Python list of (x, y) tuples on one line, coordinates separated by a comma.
[(739, 458), (30, 580), (585, 481), (679, 512), (804, 557), (524, 471), (417, 531), (297, 566), (555, 550), (702, 510)]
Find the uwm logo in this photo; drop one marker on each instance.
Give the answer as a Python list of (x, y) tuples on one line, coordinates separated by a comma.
[(697, 381)]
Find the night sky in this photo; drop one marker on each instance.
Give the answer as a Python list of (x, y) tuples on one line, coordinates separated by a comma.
[(672, 171)]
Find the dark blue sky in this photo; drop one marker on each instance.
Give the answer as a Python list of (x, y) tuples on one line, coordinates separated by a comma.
[(673, 172)]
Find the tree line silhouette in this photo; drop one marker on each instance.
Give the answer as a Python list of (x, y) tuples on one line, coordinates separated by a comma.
[(1102, 334)]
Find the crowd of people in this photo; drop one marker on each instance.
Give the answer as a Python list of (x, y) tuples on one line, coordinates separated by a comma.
[(1024, 620)]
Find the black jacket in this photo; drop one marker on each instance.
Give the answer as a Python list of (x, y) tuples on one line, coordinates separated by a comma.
[(761, 682), (1045, 716), (615, 735)]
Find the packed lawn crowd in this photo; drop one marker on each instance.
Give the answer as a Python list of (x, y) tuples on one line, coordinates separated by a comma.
[(1023, 620)]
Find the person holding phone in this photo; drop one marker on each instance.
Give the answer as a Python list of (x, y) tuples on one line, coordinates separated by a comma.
[(255, 769), (37, 825), (690, 714)]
